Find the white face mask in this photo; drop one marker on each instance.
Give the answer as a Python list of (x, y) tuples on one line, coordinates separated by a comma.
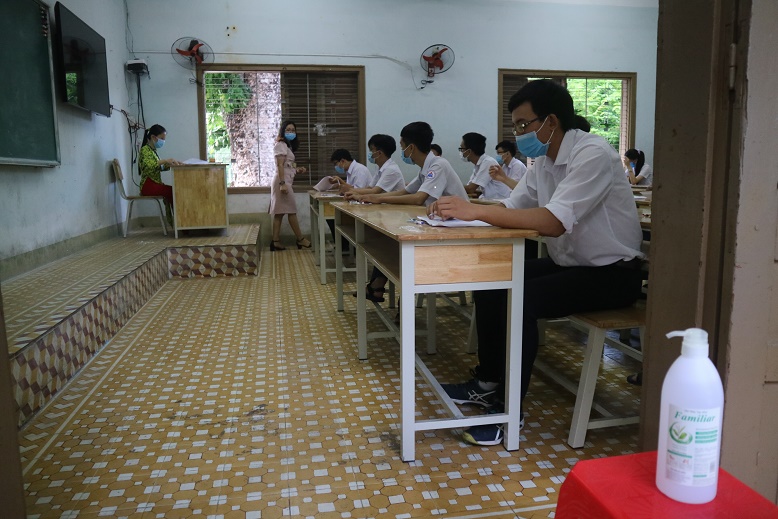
[(463, 157)]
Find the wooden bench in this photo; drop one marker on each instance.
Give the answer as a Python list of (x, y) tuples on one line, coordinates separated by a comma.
[(597, 324)]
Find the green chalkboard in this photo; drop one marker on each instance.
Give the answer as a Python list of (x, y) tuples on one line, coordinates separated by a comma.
[(28, 120)]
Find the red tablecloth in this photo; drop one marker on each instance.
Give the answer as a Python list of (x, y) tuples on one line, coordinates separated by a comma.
[(623, 487)]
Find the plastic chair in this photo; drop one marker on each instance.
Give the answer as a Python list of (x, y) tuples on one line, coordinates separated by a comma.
[(117, 170)]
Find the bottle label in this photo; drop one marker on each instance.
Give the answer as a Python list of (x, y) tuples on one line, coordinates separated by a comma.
[(693, 445)]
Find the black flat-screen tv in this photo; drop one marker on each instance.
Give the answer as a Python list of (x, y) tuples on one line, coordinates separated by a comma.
[(83, 71)]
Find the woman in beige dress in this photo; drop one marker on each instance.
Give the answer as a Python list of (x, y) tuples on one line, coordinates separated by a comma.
[(281, 194)]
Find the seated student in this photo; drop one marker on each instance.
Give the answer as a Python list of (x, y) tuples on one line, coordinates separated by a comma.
[(357, 175), (574, 195), (436, 150), (436, 178), (511, 169), (638, 172), (473, 149), (389, 177)]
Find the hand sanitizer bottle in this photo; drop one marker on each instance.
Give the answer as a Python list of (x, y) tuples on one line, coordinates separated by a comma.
[(687, 462)]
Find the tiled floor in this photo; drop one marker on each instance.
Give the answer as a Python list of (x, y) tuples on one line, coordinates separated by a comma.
[(243, 397)]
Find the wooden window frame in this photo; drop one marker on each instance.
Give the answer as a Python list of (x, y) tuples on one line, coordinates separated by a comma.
[(231, 67), (630, 89)]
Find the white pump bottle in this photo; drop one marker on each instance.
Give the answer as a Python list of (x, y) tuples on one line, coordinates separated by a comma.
[(687, 463)]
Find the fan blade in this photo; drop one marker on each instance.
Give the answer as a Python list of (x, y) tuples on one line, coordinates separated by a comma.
[(186, 53)]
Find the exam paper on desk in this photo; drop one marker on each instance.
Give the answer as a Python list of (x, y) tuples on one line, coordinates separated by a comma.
[(453, 222)]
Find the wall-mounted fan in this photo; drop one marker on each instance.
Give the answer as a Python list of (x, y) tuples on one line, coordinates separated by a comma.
[(190, 52), (436, 59)]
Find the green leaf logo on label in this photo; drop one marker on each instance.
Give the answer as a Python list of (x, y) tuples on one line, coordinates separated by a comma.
[(678, 435)]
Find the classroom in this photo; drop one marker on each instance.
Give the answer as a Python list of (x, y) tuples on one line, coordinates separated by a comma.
[(234, 377)]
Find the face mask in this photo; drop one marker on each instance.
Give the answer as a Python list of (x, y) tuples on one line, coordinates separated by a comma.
[(159, 143), (339, 170), (463, 157), (632, 165), (499, 160), (370, 158), (290, 136), (407, 160), (530, 145)]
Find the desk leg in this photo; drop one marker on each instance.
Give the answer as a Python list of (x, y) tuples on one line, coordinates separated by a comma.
[(361, 281), (314, 230), (432, 307), (407, 355), (338, 262), (322, 250), (513, 350)]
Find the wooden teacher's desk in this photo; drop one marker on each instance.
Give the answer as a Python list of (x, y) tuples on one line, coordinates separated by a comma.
[(199, 197), (422, 259)]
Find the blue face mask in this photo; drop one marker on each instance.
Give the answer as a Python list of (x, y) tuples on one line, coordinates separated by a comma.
[(370, 158), (407, 160), (632, 165), (499, 160), (530, 145), (340, 170), (159, 143), (290, 136)]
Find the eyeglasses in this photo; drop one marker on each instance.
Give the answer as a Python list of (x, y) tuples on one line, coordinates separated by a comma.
[(462, 149), (519, 128)]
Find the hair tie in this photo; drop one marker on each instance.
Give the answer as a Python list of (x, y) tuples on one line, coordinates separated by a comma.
[(639, 151)]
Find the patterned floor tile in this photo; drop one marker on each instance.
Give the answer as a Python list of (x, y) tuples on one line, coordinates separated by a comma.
[(243, 397)]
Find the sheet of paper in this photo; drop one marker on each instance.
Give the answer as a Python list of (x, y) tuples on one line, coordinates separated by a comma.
[(453, 222), (195, 161), (325, 185)]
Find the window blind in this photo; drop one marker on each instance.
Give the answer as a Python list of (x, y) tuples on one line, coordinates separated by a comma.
[(325, 108)]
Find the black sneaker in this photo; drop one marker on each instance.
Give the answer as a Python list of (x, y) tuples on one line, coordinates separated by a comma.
[(470, 393), (486, 435)]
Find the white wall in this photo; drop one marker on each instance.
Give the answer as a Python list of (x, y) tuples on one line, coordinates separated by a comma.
[(385, 37)]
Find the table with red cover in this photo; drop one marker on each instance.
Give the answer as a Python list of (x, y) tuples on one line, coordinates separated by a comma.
[(623, 487)]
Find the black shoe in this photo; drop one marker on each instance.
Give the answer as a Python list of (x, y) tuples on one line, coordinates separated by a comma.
[(470, 392), (636, 379), (276, 245), (375, 295)]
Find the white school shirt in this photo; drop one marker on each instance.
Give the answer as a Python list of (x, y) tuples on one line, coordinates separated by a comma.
[(585, 189), (437, 178), (515, 169), (491, 189), (646, 172), (358, 175), (390, 177)]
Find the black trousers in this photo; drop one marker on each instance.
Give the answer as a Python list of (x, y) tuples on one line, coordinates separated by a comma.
[(549, 291)]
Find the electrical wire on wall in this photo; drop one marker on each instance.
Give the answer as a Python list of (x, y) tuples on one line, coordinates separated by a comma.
[(135, 125), (280, 55)]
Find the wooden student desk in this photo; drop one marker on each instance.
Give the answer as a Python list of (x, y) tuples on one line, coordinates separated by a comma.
[(320, 212), (424, 259), (200, 197)]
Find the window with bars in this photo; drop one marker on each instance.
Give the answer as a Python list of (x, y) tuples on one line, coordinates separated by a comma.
[(242, 108), (605, 99)]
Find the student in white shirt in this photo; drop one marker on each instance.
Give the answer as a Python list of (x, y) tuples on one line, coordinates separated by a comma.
[(436, 177), (436, 149), (511, 169), (357, 175), (389, 177), (473, 149), (576, 197), (638, 172)]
